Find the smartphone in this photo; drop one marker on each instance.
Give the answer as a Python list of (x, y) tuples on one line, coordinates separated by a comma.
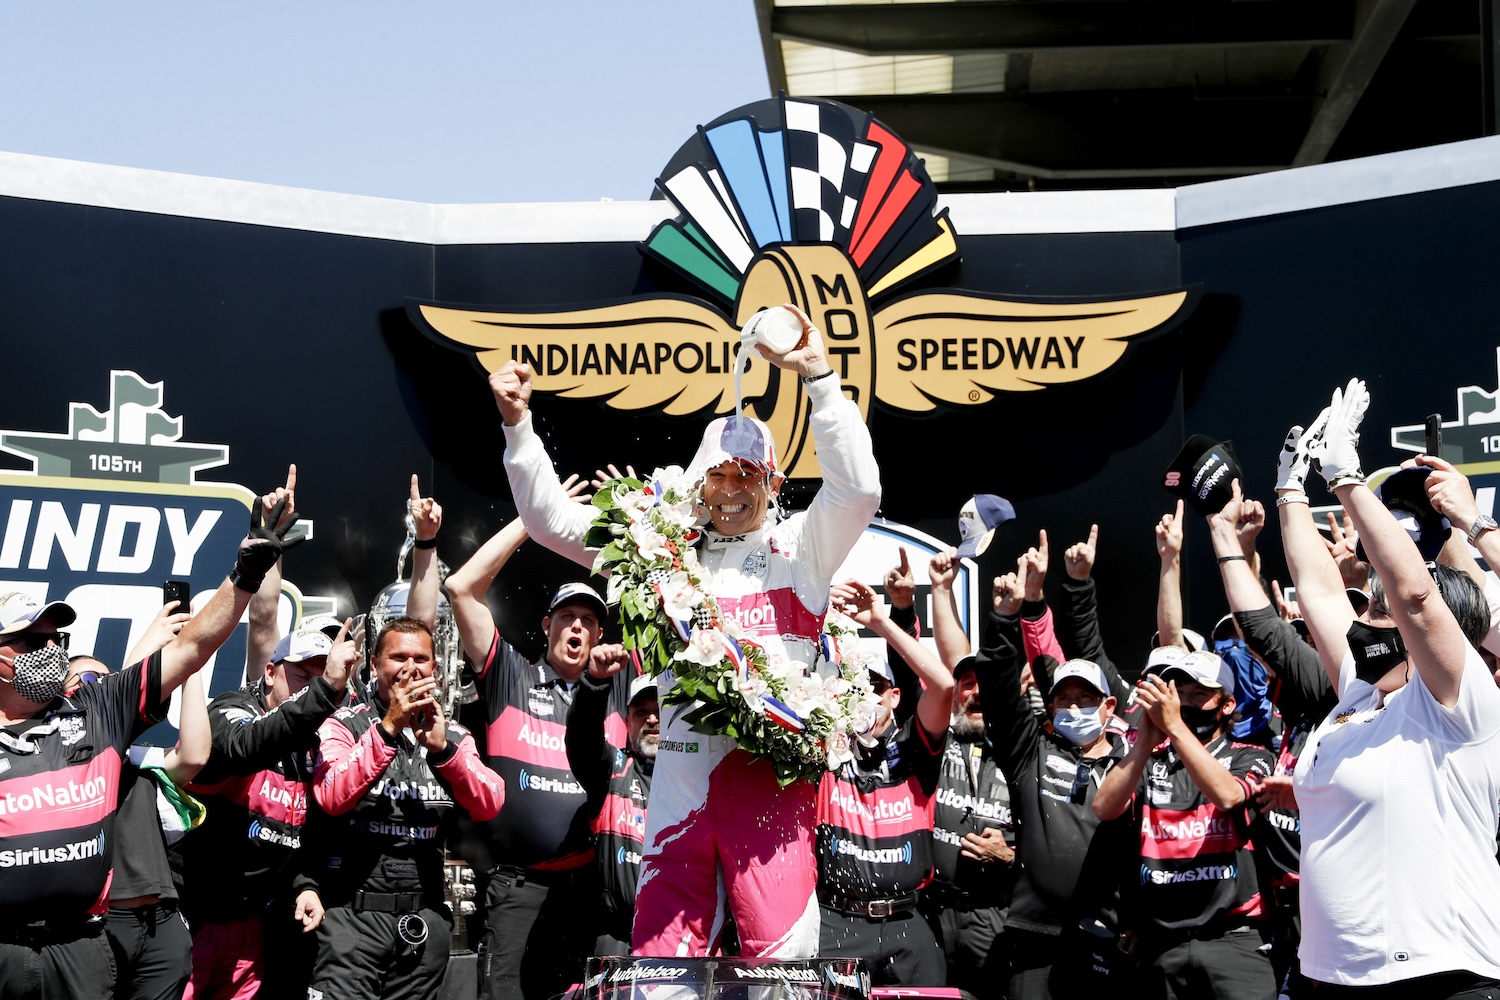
[(1434, 425), (179, 591)]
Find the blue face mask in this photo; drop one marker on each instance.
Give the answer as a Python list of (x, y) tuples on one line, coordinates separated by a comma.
[(1079, 726)]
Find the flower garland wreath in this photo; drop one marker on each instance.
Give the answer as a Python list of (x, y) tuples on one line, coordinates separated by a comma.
[(727, 684)]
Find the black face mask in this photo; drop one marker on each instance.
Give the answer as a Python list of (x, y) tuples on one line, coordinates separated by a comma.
[(1202, 721), (1375, 650)]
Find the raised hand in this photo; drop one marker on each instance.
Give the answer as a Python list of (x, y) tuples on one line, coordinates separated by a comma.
[(1295, 459), (942, 570), (1169, 533), (1337, 451), (1288, 610), (575, 486), (604, 475), (426, 513), (1449, 492), (808, 360), (164, 627), (857, 600), (1078, 560), (511, 385), (1251, 522), (900, 584), (607, 660), (343, 657), (1343, 547), (1006, 593), (288, 493), (263, 545), (1032, 567)]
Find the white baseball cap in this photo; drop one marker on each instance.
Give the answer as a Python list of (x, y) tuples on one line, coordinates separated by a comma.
[(1085, 670), (18, 612), (735, 438), (301, 644), (1206, 668), (639, 686)]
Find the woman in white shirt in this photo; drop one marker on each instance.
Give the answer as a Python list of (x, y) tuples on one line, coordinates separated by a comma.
[(1398, 787)]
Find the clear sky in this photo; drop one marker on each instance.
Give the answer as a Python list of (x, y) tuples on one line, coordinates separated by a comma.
[(475, 101)]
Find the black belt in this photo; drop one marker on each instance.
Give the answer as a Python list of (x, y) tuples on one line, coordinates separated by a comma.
[(873, 909), (391, 902), (945, 896), (42, 932), (538, 876)]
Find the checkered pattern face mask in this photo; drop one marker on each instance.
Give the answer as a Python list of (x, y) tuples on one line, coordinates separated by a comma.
[(39, 674)]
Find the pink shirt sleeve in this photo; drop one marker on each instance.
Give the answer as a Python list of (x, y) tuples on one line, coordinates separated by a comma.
[(479, 790), (1038, 637), (346, 767)]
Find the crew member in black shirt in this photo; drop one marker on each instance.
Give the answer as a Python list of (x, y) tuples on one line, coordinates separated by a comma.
[(874, 837), (619, 779), (60, 779), (542, 875)]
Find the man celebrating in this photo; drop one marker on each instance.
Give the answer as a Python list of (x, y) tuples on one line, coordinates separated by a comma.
[(715, 809), (395, 768), (1198, 898), (540, 869), (61, 758)]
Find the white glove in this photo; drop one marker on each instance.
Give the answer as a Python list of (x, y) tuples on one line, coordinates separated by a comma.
[(1337, 452), (1291, 470)]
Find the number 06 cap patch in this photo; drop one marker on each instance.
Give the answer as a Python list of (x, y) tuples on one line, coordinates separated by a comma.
[(1201, 474)]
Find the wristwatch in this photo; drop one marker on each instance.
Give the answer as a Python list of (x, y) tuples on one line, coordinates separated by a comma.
[(1481, 524)]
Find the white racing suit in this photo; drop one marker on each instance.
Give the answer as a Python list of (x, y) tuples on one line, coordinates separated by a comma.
[(718, 825)]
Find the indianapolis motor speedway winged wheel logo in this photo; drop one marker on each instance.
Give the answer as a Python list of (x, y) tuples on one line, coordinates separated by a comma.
[(817, 204)]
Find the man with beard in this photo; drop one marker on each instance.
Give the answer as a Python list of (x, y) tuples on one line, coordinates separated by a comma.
[(618, 784)]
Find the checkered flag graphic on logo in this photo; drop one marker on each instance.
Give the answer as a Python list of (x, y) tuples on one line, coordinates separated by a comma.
[(827, 167)]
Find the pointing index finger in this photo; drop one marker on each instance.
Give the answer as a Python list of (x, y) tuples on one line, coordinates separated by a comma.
[(1093, 535), (416, 493), (291, 478), (905, 563)]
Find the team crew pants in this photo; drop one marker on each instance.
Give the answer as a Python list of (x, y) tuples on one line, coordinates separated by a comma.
[(901, 949), (721, 829), (972, 944), (153, 951), (362, 956), (539, 929), (78, 968), (1231, 967), (229, 958)]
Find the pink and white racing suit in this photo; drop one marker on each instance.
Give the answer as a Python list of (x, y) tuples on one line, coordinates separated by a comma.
[(718, 826)]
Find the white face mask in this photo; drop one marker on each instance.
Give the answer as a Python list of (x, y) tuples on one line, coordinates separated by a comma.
[(1079, 726)]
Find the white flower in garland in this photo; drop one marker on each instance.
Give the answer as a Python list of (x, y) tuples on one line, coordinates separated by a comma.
[(728, 684)]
